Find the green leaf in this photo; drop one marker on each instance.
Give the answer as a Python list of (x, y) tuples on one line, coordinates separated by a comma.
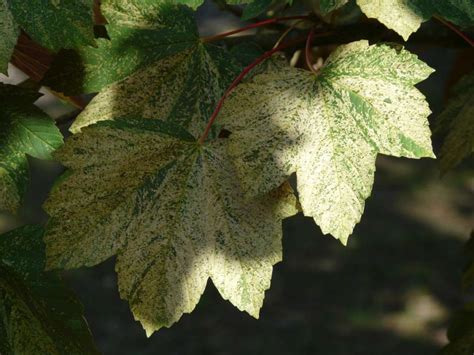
[(327, 6), (53, 24), (329, 128), (155, 66), (458, 120), (24, 130), (406, 16), (255, 9), (38, 314), (173, 213)]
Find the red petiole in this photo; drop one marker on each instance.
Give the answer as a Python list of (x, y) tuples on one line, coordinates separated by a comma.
[(239, 78), (456, 30), (253, 25)]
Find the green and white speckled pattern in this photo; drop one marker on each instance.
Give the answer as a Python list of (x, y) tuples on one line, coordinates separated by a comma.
[(24, 129), (406, 16), (329, 128), (38, 314), (54, 24), (142, 34), (10, 32), (173, 213), (458, 120)]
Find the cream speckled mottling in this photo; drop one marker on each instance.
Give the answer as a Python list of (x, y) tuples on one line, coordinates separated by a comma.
[(66, 24), (10, 32), (406, 16), (182, 88), (329, 128), (173, 213), (399, 15)]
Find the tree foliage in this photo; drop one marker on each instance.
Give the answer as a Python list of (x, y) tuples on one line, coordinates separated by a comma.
[(180, 164)]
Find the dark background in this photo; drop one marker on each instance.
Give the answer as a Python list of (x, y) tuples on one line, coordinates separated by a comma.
[(390, 291)]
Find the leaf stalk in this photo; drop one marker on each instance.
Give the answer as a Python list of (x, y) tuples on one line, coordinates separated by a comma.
[(253, 25)]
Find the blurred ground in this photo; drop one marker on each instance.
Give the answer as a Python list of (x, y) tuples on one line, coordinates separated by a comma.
[(390, 291)]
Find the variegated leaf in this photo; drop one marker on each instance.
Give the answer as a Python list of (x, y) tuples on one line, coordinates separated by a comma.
[(53, 24), (329, 128), (173, 213), (406, 16), (155, 66)]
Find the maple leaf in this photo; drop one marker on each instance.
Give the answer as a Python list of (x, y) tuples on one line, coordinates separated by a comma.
[(168, 71), (458, 121), (40, 315), (405, 17), (329, 128), (24, 130), (173, 212), (53, 24)]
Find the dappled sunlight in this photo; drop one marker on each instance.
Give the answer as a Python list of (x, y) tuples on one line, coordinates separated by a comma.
[(421, 317)]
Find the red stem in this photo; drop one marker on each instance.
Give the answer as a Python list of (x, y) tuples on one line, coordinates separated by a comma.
[(253, 25), (308, 53), (456, 30), (238, 79)]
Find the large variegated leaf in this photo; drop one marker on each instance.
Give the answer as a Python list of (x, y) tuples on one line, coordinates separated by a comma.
[(329, 128), (53, 24), (458, 121), (155, 66), (24, 130), (171, 210), (406, 16), (38, 314)]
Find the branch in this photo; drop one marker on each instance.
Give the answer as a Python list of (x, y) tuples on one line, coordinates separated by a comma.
[(453, 28), (253, 25)]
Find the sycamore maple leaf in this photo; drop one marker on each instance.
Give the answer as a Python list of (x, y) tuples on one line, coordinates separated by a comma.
[(406, 16), (329, 128), (53, 24), (24, 130), (39, 314), (168, 71), (458, 121), (173, 213)]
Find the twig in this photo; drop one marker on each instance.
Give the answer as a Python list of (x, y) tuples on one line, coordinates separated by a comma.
[(455, 30), (308, 49), (238, 79), (253, 25)]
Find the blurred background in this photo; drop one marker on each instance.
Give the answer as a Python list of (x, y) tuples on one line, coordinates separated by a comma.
[(390, 291)]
